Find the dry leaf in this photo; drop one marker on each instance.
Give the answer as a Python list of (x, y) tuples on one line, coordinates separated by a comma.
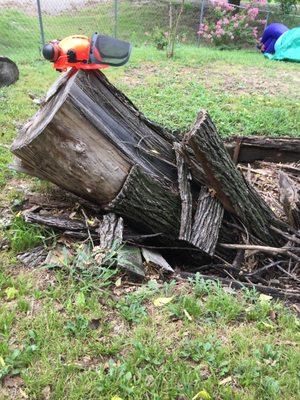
[(203, 394), (226, 380), (189, 317), (268, 326), (118, 282), (73, 215), (23, 394), (161, 301), (265, 298), (46, 392), (272, 315), (212, 192)]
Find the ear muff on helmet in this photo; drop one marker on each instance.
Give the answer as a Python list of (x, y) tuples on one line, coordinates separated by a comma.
[(51, 51)]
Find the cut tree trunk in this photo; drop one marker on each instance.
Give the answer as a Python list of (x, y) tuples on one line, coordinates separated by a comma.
[(88, 135), (259, 148), (235, 193)]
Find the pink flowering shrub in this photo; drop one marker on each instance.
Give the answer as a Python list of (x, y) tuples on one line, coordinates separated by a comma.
[(227, 25)]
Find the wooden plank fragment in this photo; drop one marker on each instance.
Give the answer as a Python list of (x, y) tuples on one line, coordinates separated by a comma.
[(154, 258), (55, 222), (184, 185)]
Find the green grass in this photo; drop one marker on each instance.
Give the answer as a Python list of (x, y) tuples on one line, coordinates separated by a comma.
[(92, 349), (20, 35), (24, 236), (86, 338)]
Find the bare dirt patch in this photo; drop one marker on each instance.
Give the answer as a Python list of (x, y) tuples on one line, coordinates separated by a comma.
[(217, 77)]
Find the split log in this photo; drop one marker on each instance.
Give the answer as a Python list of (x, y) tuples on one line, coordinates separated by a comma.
[(290, 199), (245, 149), (235, 193), (203, 231), (156, 259), (110, 231), (207, 222), (9, 72), (33, 258), (130, 259), (55, 222), (184, 185)]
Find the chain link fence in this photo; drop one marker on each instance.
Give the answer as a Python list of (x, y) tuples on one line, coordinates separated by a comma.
[(25, 25)]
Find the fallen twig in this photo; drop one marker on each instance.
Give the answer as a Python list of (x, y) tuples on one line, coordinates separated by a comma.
[(291, 238), (265, 249), (288, 273)]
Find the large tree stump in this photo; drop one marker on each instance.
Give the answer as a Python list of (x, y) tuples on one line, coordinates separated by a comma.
[(88, 135), (89, 139)]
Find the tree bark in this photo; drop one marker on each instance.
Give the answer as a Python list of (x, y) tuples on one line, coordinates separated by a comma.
[(110, 231), (207, 222), (289, 193), (259, 148), (235, 193), (185, 195), (150, 205)]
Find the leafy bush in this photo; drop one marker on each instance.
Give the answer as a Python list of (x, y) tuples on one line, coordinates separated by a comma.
[(227, 26), (159, 38), (288, 6)]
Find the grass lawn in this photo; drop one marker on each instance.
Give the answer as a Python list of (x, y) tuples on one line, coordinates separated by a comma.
[(101, 338)]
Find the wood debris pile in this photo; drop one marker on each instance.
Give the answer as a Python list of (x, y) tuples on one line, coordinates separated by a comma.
[(184, 203)]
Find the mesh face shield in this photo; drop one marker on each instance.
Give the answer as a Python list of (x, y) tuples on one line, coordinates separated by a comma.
[(110, 51)]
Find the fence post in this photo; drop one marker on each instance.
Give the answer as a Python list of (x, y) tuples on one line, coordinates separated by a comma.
[(116, 18), (200, 19), (42, 33)]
